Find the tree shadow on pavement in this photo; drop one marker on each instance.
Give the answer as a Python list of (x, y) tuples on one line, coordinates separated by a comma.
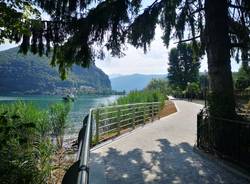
[(124, 168), (169, 164), (180, 164)]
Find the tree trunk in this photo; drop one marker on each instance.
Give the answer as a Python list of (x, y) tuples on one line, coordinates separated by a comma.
[(221, 97), (222, 101)]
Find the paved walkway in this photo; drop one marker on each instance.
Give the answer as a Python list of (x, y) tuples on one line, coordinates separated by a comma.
[(159, 153)]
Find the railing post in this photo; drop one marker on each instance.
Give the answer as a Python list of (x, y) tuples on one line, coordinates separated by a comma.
[(97, 118), (152, 111), (118, 121), (133, 118), (159, 108), (144, 114)]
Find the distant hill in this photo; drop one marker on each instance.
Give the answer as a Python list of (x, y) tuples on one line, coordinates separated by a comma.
[(32, 74), (132, 82), (114, 76)]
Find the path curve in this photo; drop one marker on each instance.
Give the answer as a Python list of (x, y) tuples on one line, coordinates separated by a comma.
[(159, 153)]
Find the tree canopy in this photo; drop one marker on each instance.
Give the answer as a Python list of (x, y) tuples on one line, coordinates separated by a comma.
[(192, 88), (159, 85), (183, 68), (82, 30)]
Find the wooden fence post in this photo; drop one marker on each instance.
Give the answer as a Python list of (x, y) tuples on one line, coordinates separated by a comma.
[(144, 114), (159, 109), (152, 111), (133, 118), (118, 121)]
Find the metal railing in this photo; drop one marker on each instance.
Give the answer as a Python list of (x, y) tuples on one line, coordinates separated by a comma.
[(83, 152), (230, 139), (106, 122)]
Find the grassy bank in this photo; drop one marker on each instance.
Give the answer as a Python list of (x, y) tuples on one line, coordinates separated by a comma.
[(143, 97)]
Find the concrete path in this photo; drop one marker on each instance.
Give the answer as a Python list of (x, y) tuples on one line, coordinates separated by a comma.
[(160, 152)]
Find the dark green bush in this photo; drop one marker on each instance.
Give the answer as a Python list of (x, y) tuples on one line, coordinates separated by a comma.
[(26, 149)]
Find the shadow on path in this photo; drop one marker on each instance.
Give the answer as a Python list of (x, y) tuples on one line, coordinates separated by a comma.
[(170, 164)]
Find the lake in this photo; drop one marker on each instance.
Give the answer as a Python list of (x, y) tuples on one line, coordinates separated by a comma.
[(79, 109)]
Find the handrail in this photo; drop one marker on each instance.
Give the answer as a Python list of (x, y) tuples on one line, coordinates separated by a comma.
[(94, 117), (125, 105), (83, 153), (231, 120)]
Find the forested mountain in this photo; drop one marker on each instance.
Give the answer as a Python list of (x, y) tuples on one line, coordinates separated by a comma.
[(31, 74), (132, 82)]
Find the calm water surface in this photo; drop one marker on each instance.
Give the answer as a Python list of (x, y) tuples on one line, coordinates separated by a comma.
[(79, 109)]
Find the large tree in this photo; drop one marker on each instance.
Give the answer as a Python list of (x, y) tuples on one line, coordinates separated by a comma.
[(183, 67), (81, 30)]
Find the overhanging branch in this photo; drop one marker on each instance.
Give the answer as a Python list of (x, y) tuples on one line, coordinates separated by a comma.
[(188, 40), (238, 7), (197, 11), (239, 45)]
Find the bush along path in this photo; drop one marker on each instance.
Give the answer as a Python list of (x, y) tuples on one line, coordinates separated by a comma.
[(27, 152)]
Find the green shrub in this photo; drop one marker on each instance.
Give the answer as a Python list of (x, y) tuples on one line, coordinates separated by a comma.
[(248, 105), (142, 97), (58, 116), (243, 78), (159, 85), (176, 91), (192, 88), (25, 148)]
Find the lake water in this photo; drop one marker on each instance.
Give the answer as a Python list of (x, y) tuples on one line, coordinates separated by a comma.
[(79, 109)]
